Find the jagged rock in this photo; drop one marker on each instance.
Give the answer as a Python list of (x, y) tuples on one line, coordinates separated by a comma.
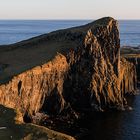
[(30, 90), (136, 61), (87, 73), (132, 54), (128, 77), (11, 129)]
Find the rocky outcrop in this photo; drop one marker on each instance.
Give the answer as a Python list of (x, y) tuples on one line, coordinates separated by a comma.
[(136, 61), (88, 75), (25, 131), (128, 77), (98, 79), (132, 54), (29, 91)]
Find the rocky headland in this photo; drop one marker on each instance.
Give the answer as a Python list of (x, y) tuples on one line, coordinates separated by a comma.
[(67, 73)]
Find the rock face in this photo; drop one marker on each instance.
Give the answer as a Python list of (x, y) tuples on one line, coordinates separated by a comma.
[(136, 61), (128, 77), (132, 54), (89, 75), (29, 90)]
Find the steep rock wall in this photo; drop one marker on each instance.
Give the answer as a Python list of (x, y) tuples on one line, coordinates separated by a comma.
[(128, 77), (136, 61), (27, 91), (89, 76)]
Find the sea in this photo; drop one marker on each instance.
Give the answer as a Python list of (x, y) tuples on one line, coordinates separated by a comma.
[(120, 125), (12, 31)]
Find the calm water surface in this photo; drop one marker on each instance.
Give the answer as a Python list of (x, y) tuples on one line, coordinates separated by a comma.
[(130, 32), (12, 31), (123, 125)]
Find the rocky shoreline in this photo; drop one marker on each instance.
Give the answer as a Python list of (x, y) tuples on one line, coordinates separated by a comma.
[(60, 77)]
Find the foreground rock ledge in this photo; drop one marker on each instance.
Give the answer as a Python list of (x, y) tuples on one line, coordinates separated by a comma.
[(78, 67), (12, 129)]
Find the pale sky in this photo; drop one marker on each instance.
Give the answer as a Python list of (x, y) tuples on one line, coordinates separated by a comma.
[(69, 9)]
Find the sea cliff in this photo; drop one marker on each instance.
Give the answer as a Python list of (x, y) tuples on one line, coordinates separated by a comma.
[(79, 68)]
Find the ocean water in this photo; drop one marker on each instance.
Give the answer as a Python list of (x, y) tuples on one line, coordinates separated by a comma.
[(12, 31), (129, 32), (123, 125), (120, 125)]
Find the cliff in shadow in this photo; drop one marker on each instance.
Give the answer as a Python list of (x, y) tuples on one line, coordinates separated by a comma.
[(77, 68)]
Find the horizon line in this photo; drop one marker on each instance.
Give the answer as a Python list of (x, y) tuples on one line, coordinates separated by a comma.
[(61, 19)]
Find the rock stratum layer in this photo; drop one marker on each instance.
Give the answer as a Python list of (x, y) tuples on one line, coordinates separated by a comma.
[(83, 71)]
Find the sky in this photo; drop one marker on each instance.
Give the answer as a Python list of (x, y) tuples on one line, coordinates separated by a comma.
[(69, 9)]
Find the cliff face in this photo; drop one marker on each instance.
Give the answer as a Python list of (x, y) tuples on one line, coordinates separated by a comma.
[(136, 61), (88, 75), (132, 54), (97, 78), (28, 91), (128, 77)]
